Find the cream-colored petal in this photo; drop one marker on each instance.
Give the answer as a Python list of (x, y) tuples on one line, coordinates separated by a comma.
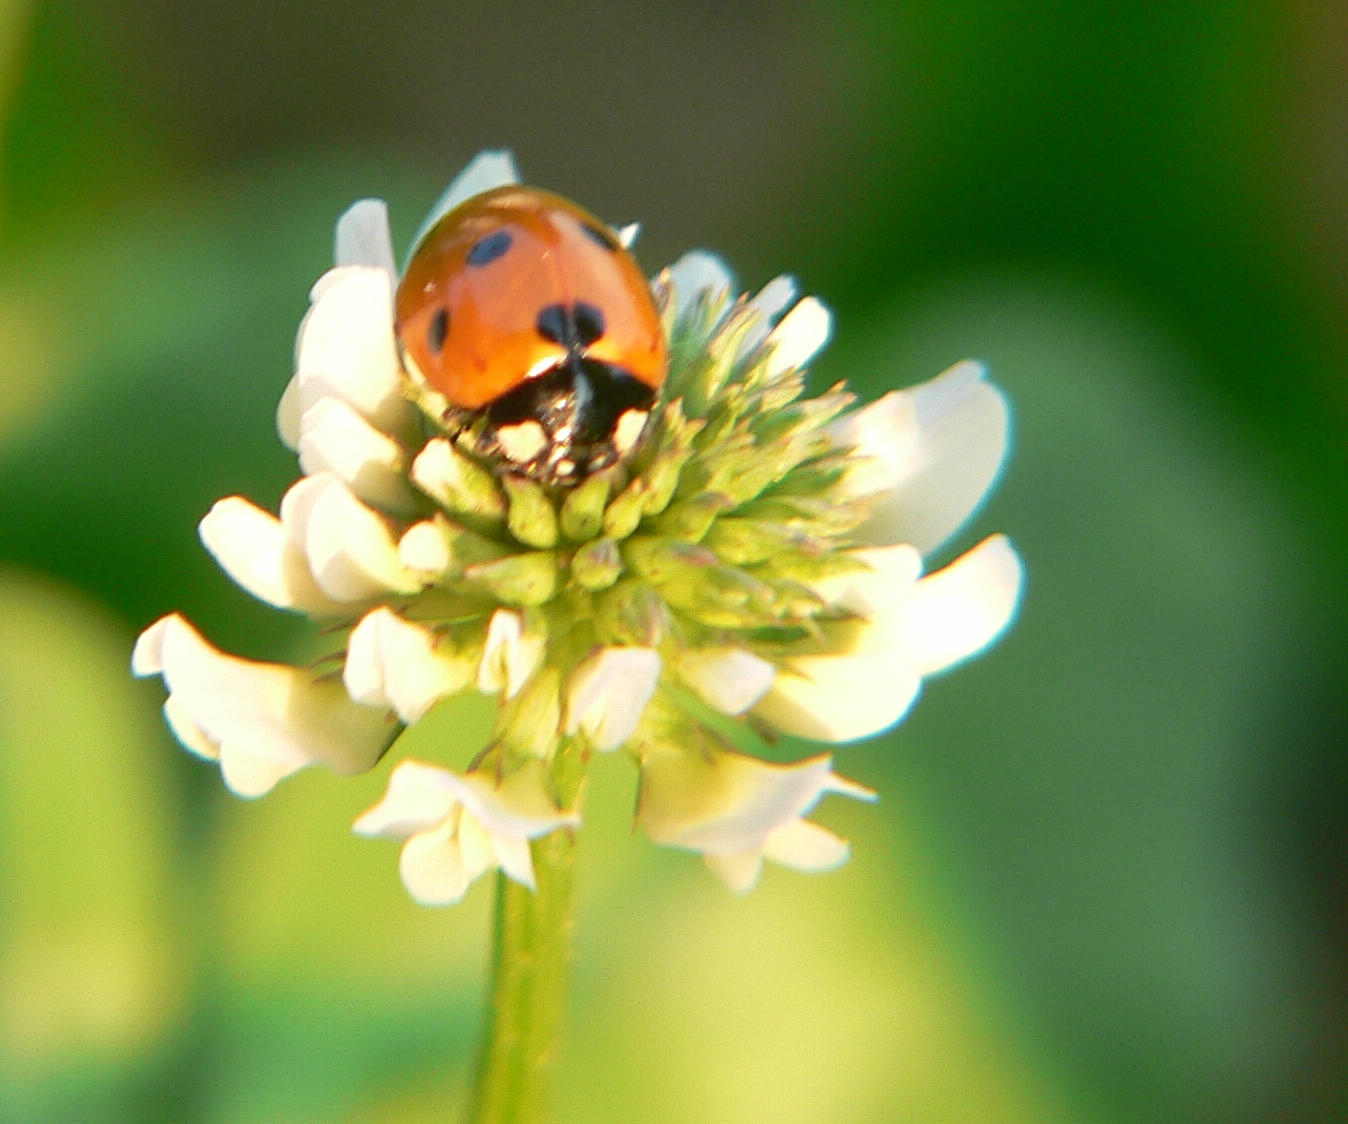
[(930, 454), (352, 552), (697, 272), (289, 409), (798, 336), (517, 806), (255, 549), (510, 655), (251, 774), (425, 549), (608, 693), (432, 867), (346, 350), (728, 803), (391, 662), (805, 846), (960, 610), (188, 732), (335, 438), (886, 581), (846, 697), (627, 235), (282, 716), (739, 872), (487, 170), (419, 797), (475, 849), (513, 856), (769, 303), (363, 237), (730, 680)]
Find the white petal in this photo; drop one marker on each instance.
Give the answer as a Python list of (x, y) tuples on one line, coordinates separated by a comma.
[(346, 350), (739, 872), (958, 611), (768, 302), (487, 170), (627, 235), (249, 773), (335, 438), (887, 581), (390, 662), (363, 236), (424, 549), (419, 798), (697, 272), (798, 336), (932, 451), (805, 846), (187, 731), (729, 679), (846, 697), (352, 552), (608, 693), (257, 551), (475, 849), (289, 410), (513, 857), (517, 806), (729, 803), (509, 656), (268, 720), (432, 867)]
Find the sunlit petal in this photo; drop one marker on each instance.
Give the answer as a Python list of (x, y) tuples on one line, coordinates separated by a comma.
[(730, 680), (608, 693), (510, 655), (391, 662), (363, 237), (930, 454), (255, 549)]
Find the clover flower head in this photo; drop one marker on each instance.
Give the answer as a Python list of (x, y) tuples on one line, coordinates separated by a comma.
[(753, 562)]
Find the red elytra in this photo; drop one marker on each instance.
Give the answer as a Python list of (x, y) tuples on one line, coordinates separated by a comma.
[(519, 306)]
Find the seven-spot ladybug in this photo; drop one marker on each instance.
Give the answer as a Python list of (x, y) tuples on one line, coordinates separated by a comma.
[(528, 315)]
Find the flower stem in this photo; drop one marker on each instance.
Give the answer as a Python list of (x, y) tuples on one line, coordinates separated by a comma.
[(529, 974)]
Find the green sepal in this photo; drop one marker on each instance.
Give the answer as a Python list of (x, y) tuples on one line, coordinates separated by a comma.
[(530, 578), (583, 509), (532, 519), (691, 519), (597, 564), (631, 613), (531, 722)]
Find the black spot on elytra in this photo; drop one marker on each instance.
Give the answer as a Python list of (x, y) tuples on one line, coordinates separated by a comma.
[(489, 247), (572, 326), (600, 235), (438, 331)]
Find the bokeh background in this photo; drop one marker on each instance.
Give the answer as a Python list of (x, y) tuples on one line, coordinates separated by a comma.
[(1105, 880)]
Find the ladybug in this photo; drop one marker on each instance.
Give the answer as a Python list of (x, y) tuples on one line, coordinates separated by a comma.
[(539, 329)]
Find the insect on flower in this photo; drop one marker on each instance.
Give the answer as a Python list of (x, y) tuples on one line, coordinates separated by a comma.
[(611, 505), (537, 325)]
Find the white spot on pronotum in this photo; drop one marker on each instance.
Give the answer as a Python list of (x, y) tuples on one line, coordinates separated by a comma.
[(628, 430), (523, 442)]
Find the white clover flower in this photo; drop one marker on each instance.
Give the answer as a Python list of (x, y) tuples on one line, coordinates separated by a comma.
[(459, 827), (754, 556)]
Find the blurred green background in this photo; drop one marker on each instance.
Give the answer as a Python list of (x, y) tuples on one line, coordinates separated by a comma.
[(1105, 880)]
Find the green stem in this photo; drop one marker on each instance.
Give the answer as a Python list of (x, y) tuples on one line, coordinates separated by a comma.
[(529, 974)]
